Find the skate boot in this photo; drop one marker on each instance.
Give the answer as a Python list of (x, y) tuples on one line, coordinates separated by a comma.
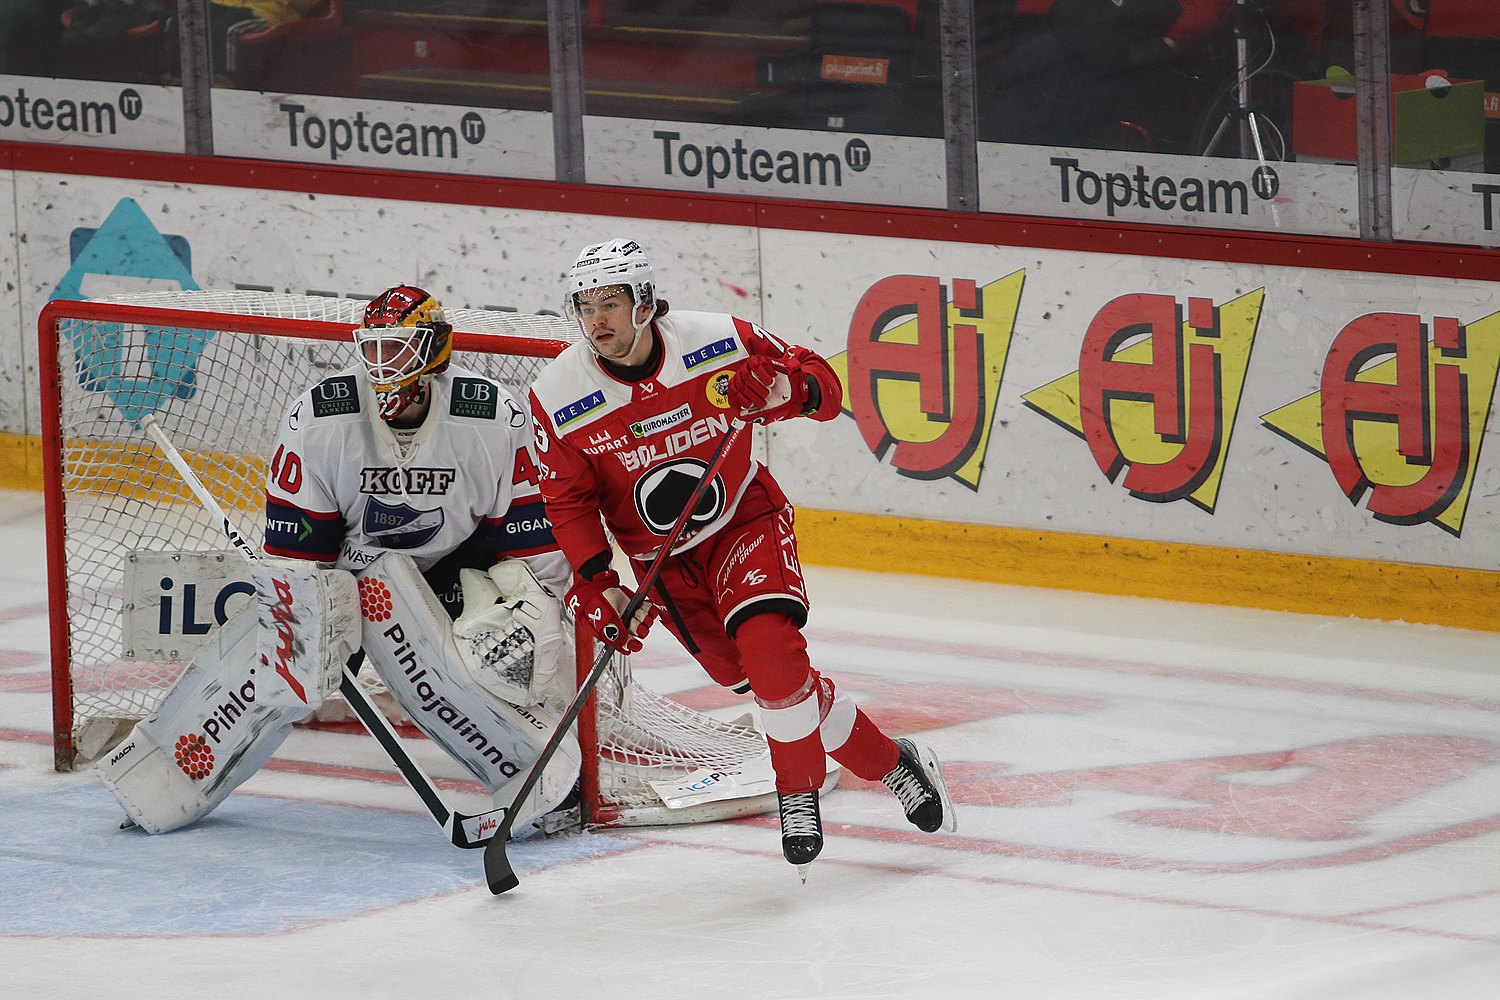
[(919, 784), (801, 829)]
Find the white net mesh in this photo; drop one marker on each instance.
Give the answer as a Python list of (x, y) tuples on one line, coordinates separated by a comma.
[(219, 390)]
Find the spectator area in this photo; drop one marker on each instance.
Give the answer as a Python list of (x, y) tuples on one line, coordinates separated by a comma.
[(837, 63), (853, 65)]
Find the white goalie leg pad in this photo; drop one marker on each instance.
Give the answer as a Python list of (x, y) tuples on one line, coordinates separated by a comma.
[(557, 781), (408, 640), (209, 735), (510, 633), (154, 791), (309, 626)]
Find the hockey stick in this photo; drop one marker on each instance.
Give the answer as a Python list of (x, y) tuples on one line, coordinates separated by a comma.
[(463, 830), (497, 868)]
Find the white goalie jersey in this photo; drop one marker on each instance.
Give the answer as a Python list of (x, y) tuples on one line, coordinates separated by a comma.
[(343, 485), (448, 508)]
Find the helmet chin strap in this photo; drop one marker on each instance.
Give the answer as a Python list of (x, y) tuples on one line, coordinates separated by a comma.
[(639, 328)]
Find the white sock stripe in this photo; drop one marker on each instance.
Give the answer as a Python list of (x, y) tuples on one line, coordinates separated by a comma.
[(787, 725), (839, 722)]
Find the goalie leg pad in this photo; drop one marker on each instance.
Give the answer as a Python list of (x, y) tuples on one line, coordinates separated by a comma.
[(209, 735), (309, 626), (408, 640), (552, 789), (155, 792)]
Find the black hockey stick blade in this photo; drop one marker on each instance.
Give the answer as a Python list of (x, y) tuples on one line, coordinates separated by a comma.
[(497, 868)]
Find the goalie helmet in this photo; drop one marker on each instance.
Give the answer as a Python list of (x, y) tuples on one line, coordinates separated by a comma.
[(602, 268), (404, 341)]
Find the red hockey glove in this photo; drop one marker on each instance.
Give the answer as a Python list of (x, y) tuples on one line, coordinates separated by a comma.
[(766, 389), (599, 602)]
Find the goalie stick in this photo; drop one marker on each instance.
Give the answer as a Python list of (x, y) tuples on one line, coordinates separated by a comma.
[(463, 830), (497, 868)]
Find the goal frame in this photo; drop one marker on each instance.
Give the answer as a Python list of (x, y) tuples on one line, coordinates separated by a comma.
[(595, 810)]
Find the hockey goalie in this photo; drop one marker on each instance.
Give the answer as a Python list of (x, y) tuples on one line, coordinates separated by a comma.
[(404, 536)]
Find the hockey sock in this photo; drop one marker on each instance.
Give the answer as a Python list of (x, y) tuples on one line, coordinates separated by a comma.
[(867, 751), (774, 654)]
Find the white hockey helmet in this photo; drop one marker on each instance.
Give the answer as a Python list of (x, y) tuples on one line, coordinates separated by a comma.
[(601, 267)]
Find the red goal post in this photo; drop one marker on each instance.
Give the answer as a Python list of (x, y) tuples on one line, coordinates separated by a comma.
[(139, 574)]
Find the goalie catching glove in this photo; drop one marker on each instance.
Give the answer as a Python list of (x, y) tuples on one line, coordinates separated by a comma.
[(509, 635), (599, 601), (766, 389)]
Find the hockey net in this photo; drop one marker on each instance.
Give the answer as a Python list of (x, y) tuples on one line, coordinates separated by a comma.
[(125, 535)]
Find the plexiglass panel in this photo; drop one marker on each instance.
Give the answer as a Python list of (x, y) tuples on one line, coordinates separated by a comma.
[(1228, 114), (1221, 113), (98, 73), (824, 99), (1445, 95), (452, 86)]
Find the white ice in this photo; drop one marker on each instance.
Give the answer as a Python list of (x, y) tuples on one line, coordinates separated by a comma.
[(1155, 800)]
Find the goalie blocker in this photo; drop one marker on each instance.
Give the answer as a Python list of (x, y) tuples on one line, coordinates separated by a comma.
[(272, 664)]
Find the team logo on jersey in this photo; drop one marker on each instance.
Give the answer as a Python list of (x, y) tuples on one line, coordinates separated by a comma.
[(717, 389), (400, 526), (334, 396), (661, 493), (661, 422), (704, 355), (475, 397), (578, 408)]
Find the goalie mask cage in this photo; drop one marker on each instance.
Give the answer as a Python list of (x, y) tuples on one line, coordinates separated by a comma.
[(218, 369)]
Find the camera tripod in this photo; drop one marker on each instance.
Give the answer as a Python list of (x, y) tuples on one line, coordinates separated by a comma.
[(1252, 146)]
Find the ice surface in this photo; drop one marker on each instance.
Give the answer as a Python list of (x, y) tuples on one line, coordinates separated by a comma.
[(1155, 801)]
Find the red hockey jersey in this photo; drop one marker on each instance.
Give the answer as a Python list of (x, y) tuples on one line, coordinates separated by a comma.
[(633, 451)]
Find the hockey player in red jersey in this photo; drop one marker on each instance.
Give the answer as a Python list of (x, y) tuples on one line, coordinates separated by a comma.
[(626, 422)]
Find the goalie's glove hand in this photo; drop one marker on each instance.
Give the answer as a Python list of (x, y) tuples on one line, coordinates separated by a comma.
[(599, 602), (766, 389), (509, 634)]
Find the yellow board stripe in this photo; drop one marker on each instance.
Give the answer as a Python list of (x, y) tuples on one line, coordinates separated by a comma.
[(20, 462), (97, 468), (1247, 578)]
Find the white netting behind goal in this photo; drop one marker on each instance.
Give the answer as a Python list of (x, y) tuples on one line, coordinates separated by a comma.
[(120, 519)]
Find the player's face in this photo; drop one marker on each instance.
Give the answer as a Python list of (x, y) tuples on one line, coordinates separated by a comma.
[(607, 320)]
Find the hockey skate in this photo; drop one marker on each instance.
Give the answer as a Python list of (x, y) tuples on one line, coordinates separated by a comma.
[(801, 829), (918, 783)]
